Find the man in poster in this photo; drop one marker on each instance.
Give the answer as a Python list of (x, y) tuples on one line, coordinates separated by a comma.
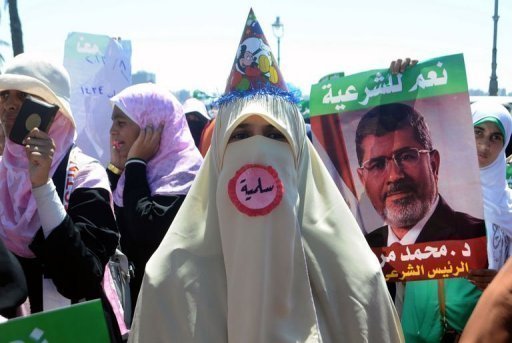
[(398, 168)]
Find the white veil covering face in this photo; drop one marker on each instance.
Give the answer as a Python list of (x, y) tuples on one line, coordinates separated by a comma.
[(302, 272), (497, 196)]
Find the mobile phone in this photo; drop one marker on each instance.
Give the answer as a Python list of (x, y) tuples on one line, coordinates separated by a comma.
[(33, 113)]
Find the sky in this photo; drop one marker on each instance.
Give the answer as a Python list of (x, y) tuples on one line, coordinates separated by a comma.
[(192, 44)]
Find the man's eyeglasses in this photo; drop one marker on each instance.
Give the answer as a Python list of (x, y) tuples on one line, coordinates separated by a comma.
[(403, 159)]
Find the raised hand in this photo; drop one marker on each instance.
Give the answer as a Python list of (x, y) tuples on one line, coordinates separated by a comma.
[(40, 149), (399, 66), (147, 144)]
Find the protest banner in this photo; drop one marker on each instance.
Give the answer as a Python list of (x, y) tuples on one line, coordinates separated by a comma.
[(80, 323), (401, 149), (99, 67)]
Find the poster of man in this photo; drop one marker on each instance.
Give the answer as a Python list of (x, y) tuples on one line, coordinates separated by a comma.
[(402, 150)]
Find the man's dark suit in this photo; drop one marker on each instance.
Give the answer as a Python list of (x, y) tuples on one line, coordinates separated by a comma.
[(444, 224)]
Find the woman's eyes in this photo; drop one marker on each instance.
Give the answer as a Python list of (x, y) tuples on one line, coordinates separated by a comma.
[(276, 135), (238, 136), (496, 138), (244, 134), (118, 123), (19, 94), (5, 95)]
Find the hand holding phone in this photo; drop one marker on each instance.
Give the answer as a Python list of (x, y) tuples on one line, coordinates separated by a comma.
[(40, 149), (33, 113)]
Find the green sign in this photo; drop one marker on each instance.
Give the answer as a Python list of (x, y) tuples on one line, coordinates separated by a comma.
[(80, 323), (81, 44), (438, 76)]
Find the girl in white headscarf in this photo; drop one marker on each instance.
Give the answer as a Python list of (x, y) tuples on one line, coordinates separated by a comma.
[(264, 248), (493, 126)]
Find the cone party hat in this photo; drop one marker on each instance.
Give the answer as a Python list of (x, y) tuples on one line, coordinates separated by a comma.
[(254, 68)]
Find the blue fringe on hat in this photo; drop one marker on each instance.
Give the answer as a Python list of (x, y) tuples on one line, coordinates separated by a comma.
[(269, 90)]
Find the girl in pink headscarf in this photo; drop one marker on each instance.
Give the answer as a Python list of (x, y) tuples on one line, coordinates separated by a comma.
[(153, 163)]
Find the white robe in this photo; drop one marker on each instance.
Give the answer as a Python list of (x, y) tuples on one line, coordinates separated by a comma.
[(301, 273)]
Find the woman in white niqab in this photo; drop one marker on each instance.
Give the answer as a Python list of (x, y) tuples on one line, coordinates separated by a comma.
[(295, 268)]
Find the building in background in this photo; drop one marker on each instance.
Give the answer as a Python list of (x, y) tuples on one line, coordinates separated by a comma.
[(143, 77)]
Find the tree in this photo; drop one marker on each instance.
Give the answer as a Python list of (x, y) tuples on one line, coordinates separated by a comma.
[(2, 43), (2, 59), (16, 33)]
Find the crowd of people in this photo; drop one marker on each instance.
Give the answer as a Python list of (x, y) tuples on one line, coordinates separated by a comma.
[(233, 226)]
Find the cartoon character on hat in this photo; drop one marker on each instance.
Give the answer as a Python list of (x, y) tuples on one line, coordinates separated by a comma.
[(254, 66)]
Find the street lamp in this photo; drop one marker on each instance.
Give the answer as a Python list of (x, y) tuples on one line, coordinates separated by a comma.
[(278, 29), (493, 84)]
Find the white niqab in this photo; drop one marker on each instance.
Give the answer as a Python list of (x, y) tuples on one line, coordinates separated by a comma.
[(301, 273)]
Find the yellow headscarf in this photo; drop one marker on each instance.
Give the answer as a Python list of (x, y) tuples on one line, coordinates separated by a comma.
[(301, 272)]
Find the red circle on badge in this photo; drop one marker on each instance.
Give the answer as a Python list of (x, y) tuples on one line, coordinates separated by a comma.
[(255, 189)]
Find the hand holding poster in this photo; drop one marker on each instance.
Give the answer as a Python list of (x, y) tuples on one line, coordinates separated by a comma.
[(402, 151)]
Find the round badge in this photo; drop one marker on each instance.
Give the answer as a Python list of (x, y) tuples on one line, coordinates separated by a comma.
[(255, 189), (33, 120)]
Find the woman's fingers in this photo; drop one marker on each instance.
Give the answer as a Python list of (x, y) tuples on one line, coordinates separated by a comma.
[(395, 66), (153, 135), (40, 149), (405, 64), (157, 134), (399, 66), (148, 142), (40, 143)]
